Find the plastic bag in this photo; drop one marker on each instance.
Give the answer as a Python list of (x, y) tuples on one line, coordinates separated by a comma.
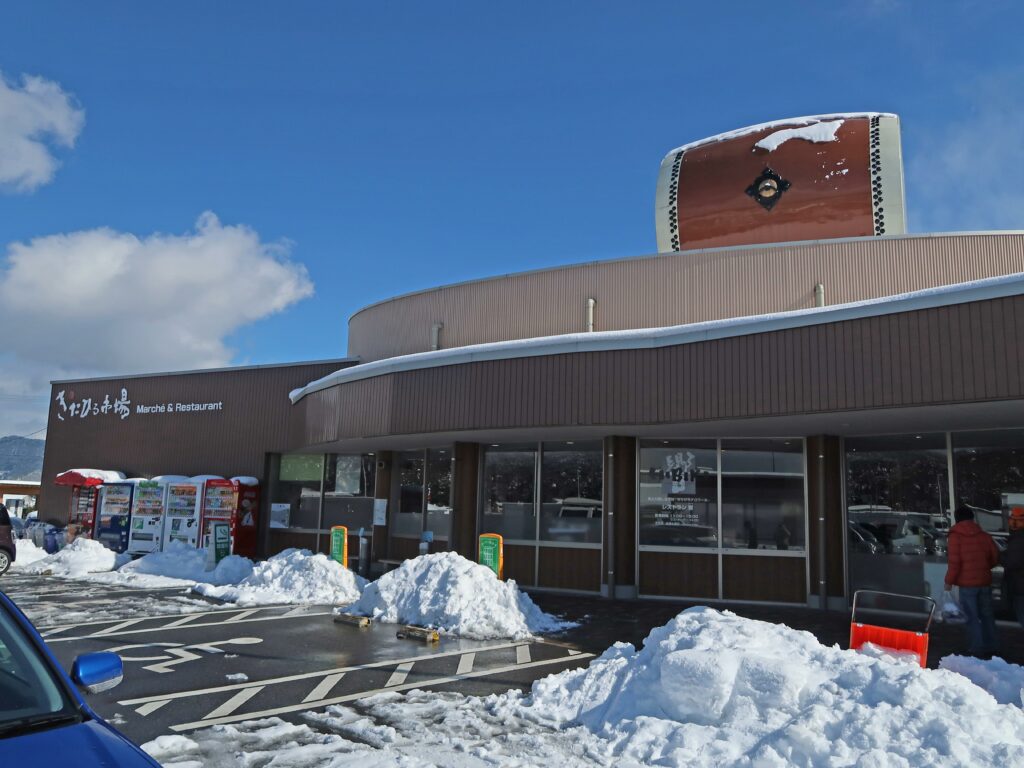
[(951, 612)]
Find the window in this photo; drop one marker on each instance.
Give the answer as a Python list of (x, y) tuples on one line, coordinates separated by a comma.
[(763, 494), (439, 493), (989, 472), (508, 491), (407, 479), (298, 485), (571, 492), (678, 493), (348, 491)]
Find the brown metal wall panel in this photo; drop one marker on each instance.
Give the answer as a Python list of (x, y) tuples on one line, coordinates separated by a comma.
[(624, 509), (774, 579), (520, 564), (569, 568), (671, 574), (675, 289), (924, 357), (464, 497), (256, 418)]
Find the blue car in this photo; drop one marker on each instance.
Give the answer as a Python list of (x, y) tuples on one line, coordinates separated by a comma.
[(44, 721)]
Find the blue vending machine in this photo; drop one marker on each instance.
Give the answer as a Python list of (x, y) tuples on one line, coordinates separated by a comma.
[(114, 515)]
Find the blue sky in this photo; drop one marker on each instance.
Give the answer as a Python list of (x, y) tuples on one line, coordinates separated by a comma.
[(388, 147)]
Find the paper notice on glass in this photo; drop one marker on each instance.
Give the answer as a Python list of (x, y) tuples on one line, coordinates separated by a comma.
[(380, 511)]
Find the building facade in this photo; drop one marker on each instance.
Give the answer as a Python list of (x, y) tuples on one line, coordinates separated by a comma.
[(783, 418)]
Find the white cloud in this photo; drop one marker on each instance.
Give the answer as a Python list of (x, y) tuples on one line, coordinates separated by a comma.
[(34, 117), (102, 302), (967, 173)]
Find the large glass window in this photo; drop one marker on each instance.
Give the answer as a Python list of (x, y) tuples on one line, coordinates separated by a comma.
[(989, 472), (439, 493), (571, 492), (763, 494), (897, 512), (298, 486), (509, 473), (348, 491), (407, 479), (678, 493)]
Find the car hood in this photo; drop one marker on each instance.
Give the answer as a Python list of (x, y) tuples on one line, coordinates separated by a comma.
[(91, 743)]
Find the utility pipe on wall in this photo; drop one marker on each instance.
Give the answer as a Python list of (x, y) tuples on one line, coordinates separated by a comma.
[(591, 303), (819, 295), (435, 336)]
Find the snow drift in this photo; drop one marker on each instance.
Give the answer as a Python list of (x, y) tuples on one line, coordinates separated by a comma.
[(27, 553), (452, 594), (180, 561), (80, 557), (713, 689), (292, 576), (1003, 680)]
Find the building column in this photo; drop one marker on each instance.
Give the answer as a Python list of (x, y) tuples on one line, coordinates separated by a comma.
[(825, 505), (618, 579), (464, 499), (382, 490)]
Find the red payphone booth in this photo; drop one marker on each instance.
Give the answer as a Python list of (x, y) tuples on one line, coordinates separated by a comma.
[(236, 502), (85, 494)]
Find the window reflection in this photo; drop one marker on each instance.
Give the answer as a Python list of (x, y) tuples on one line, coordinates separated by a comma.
[(763, 494), (439, 493), (989, 472), (508, 491), (348, 491), (407, 476), (296, 493), (678, 493), (571, 492)]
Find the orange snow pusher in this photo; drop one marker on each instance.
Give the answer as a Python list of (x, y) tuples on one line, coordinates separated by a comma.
[(901, 640)]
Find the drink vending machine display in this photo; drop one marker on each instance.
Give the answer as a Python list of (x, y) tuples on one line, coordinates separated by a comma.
[(147, 521), (181, 513), (83, 507), (246, 517), (218, 507), (115, 508)]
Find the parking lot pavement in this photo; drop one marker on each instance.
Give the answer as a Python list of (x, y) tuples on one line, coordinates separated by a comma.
[(215, 665)]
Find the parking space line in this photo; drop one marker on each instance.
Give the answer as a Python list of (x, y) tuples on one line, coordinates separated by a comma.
[(190, 626), (116, 628), (466, 663), (308, 675), (324, 687), (151, 707), (55, 630), (234, 702), (364, 694), (242, 615), (398, 676), (523, 654), (157, 617), (184, 620)]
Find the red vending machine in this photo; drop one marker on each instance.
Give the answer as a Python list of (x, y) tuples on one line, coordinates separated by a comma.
[(85, 495), (218, 507), (246, 518)]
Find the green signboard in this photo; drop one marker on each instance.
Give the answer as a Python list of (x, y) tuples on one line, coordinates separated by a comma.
[(339, 544), (221, 541), (491, 553)]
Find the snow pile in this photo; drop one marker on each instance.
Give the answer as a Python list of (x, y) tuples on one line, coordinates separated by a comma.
[(817, 133), (1003, 680), (80, 557), (292, 576), (27, 553), (711, 688), (182, 562), (449, 593)]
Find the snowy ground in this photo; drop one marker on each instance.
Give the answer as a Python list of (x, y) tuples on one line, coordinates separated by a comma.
[(708, 689)]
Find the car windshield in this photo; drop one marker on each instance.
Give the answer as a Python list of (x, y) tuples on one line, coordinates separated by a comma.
[(30, 694)]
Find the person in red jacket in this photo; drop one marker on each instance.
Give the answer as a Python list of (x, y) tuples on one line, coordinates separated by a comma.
[(972, 555)]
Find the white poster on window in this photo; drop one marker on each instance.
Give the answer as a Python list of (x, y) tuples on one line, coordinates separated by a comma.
[(380, 511)]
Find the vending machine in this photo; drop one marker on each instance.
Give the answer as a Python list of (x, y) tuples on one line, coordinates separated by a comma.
[(145, 533), (246, 518), (219, 506), (181, 512), (84, 485), (115, 509)]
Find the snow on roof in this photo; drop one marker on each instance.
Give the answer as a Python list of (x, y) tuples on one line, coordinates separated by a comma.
[(818, 133), (650, 338), (245, 480), (809, 120)]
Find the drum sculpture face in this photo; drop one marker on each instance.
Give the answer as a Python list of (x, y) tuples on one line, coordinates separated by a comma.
[(807, 178)]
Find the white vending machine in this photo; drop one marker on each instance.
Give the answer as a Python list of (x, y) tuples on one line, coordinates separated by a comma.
[(147, 526), (181, 512)]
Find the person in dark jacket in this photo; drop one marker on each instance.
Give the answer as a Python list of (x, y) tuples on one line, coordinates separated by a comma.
[(972, 555), (1013, 562)]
